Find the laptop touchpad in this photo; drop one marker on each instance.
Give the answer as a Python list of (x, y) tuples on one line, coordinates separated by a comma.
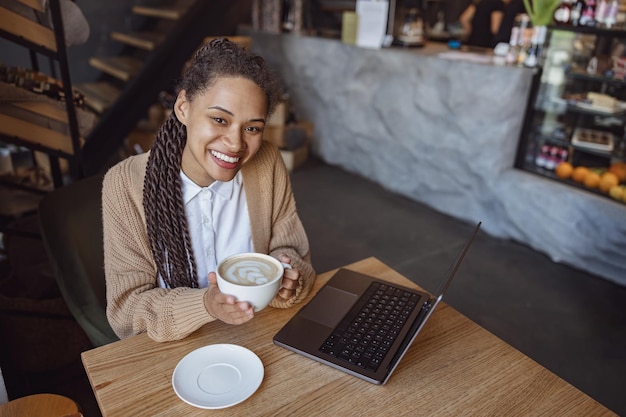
[(329, 306)]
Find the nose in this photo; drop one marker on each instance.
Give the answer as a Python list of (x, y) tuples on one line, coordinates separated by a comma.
[(234, 139)]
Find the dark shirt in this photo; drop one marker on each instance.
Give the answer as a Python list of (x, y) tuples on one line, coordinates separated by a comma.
[(511, 10), (481, 34)]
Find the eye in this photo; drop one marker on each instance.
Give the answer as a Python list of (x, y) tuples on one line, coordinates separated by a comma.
[(253, 129), (219, 120)]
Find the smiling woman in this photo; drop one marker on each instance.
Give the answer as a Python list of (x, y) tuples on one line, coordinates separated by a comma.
[(221, 138), (210, 187)]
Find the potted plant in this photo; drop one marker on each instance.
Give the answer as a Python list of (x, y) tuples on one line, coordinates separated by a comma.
[(541, 14)]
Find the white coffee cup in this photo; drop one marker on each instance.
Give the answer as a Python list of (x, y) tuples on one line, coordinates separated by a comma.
[(251, 277)]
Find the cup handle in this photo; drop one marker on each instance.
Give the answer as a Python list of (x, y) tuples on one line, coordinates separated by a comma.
[(286, 266)]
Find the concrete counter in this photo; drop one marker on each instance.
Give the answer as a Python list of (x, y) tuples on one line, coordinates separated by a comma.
[(444, 133)]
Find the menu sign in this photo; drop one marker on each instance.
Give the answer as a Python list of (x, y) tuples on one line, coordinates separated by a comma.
[(372, 22)]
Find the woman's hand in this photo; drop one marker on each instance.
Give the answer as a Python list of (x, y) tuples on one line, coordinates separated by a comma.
[(290, 280), (225, 307)]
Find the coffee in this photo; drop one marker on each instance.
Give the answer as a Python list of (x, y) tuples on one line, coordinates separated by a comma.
[(251, 277), (249, 271)]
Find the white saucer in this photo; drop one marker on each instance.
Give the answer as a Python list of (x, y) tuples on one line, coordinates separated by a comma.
[(217, 376)]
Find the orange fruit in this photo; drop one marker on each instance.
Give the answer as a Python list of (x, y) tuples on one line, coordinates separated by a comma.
[(580, 173), (619, 169), (608, 180), (564, 170), (617, 192), (592, 179)]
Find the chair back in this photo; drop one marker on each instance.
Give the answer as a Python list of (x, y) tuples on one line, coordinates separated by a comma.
[(71, 227), (41, 405)]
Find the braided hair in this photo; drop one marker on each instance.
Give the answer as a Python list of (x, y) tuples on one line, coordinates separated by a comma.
[(166, 222)]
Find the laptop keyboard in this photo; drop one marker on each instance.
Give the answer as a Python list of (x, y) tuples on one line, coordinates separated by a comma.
[(366, 333)]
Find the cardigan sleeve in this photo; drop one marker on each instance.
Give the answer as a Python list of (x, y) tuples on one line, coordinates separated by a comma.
[(276, 226), (135, 302)]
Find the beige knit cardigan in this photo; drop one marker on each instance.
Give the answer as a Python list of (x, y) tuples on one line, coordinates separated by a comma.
[(135, 302)]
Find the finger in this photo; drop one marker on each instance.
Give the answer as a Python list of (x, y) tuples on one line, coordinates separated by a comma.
[(292, 274), (243, 313), (289, 283), (237, 318), (221, 298), (245, 306), (284, 258), (237, 313), (286, 293)]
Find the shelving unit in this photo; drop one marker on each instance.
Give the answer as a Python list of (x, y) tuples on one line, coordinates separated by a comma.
[(22, 131), (560, 107)]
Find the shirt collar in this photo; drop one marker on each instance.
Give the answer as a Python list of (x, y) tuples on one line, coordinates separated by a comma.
[(220, 188)]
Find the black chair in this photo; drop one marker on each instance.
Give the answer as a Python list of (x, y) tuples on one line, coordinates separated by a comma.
[(71, 227)]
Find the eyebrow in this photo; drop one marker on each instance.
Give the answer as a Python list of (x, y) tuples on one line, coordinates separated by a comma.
[(261, 119)]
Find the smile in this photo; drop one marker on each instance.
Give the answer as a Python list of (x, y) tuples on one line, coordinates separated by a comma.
[(225, 158)]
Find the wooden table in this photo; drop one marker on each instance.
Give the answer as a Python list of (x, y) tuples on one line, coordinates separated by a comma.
[(455, 367)]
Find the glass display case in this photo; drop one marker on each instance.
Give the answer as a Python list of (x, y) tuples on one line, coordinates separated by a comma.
[(574, 129)]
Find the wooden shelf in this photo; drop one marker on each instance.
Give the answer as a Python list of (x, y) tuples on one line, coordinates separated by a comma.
[(33, 4), (40, 122), (24, 131), (21, 27), (41, 106)]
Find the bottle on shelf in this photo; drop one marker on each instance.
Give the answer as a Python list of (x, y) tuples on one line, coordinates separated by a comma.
[(514, 45), (522, 21), (588, 16), (577, 12), (542, 157), (601, 11), (532, 58), (288, 18), (562, 13), (592, 66), (611, 14)]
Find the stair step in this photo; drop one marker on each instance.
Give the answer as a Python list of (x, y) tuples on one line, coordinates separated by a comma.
[(99, 95), (163, 12), (144, 40), (122, 67)]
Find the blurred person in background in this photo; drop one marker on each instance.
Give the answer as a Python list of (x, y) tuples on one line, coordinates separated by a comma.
[(481, 21)]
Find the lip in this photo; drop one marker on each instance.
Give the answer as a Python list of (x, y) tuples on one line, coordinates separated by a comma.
[(225, 164)]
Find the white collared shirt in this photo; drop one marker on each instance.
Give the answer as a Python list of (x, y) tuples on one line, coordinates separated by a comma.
[(219, 224)]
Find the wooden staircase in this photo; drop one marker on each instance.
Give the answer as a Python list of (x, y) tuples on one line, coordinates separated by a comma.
[(120, 69), (151, 60)]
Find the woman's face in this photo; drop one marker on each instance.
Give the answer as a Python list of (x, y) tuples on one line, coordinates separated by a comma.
[(224, 128)]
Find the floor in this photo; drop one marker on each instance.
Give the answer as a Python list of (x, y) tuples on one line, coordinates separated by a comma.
[(569, 321)]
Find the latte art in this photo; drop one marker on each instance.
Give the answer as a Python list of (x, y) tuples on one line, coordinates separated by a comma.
[(249, 271)]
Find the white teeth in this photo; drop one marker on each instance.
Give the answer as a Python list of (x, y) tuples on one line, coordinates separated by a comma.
[(224, 158)]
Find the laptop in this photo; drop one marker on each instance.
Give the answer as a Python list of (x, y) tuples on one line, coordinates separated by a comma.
[(363, 325)]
